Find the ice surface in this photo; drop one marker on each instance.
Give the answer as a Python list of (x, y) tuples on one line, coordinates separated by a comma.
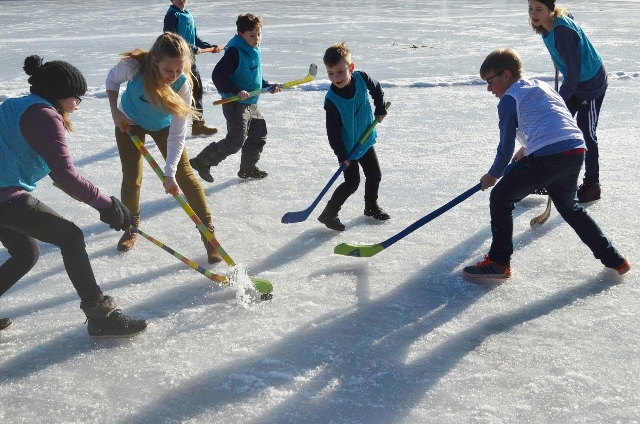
[(400, 337)]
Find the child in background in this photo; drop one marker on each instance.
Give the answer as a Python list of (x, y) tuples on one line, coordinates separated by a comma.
[(157, 101), (349, 113), (584, 80), (178, 19), (551, 157), (33, 145), (236, 74)]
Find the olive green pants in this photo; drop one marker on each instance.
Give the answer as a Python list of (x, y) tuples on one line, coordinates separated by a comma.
[(131, 160)]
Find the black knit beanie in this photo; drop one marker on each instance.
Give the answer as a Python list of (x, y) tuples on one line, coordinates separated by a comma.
[(54, 80), (551, 4)]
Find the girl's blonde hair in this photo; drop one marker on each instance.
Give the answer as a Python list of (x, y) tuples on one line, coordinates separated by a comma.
[(158, 93), (557, 12)]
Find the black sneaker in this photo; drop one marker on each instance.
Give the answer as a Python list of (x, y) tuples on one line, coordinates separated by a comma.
[(5, 323), (331, 221), (252, 172), (375, 212), (115, 325), (588, 192), (488, 269), (202, 169)]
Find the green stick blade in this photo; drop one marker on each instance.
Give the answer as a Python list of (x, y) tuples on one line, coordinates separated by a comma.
[(262, 285), (360, 251)]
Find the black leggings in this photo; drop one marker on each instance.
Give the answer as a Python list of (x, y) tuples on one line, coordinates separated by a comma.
[(372, 174), (25, 219)]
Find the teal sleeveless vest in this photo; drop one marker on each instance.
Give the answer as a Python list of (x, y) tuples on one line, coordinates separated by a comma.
[(20, 165), (248, 76), (356, 115), (590, 58), (136, 106)]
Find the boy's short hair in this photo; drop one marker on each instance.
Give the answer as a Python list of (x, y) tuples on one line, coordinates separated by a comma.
[(334, 54), (248, 22), (502, 60)]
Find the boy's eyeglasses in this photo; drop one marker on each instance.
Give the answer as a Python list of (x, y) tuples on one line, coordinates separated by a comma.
[(489, 80)]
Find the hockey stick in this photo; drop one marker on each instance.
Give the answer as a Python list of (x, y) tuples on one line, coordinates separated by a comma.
[(213, 277), (373, 249), (299, 216), (313, 70), (263, 286), (217, 278), (542, 218)]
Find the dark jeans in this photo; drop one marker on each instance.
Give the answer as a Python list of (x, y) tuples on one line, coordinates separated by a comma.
[(559, 175), (372, 174), (246, 130), (586, 113), (25, 219)]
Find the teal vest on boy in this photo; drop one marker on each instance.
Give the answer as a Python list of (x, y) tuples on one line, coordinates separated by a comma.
[(136, 106), (20, 165), (186, 26), (248, 76), (591, 62), (356, 115)]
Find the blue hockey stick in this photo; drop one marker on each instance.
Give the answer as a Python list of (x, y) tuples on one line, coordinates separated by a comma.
[(299, 216), (373, 249)]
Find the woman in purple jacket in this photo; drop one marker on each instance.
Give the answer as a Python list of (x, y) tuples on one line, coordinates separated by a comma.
[(33, 145)]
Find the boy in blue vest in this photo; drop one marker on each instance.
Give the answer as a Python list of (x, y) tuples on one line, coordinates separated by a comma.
[(349, 114), (236, 74), (179, 20), (551, 157)]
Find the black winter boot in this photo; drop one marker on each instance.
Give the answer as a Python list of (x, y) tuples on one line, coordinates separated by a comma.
[(253, 172), (105, 321), (329, 217), (202, 169), (374, 211), (5, 323)]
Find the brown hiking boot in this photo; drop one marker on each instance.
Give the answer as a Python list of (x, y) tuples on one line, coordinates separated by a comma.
[(129, 237), (199, 128), (213, 257), (588, 192)]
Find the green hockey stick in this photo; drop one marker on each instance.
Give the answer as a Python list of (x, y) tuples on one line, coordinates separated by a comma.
[(313, 70)]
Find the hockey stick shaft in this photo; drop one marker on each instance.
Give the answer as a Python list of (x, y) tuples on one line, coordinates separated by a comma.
[(370, 250), (213, 277), (260, 284), (299, 216), (313, 70)]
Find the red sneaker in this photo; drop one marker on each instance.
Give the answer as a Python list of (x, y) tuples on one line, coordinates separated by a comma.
[(488, 269)]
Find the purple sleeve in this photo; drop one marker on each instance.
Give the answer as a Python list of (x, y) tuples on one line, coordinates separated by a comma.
[(43, 129)]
